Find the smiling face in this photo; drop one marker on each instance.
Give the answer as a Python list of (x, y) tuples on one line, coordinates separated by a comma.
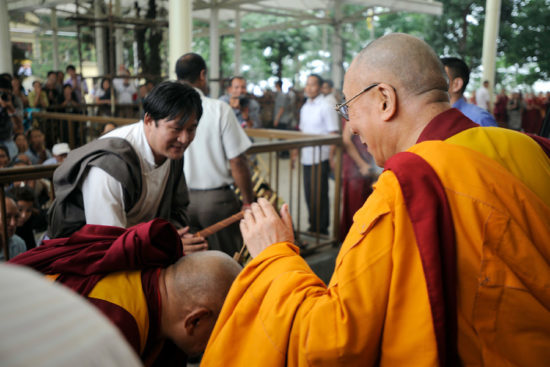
[(169, 138), (237, 88)]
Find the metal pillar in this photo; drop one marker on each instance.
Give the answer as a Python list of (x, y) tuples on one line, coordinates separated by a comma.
[(337, 49), (237, 69), (6, 63), (55, 40), (119, 43), (490, 35), (99, 39), (180, 28), (214, 51)]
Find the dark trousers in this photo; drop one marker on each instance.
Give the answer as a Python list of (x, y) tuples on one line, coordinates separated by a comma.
[(310, 189), (207, 207)]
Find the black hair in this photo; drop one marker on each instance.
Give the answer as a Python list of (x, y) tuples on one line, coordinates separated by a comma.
[(5, 149), (319, 79), (170, 100), (279, 83), (329, 82), (70, 67), (189, 67), (457, 69), (6, 76), (23, 193), (51, 72), (103, 81), (5, 84), (244, 102)]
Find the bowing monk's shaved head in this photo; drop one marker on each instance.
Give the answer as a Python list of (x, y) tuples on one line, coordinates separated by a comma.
[(193, 295), (204, 278), (408, 87)]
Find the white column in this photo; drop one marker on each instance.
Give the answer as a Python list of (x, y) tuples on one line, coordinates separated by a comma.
[(237, 56), (337, 50), (180, 25), (119, 43), (490, 35), (214, 52), (99, 39), (55, 40), (6, 63)]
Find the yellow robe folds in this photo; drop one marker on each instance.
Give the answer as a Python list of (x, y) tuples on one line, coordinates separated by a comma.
[(375, 310)]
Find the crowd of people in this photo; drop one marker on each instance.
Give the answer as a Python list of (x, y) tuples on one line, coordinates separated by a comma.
[(438, 231)]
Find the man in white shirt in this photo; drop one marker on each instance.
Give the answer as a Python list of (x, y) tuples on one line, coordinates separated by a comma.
[(134, 173), (317, 117), (215, 161), (483, 98)]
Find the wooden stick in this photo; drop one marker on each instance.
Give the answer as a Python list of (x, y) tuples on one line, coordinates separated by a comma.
[(210, 230)]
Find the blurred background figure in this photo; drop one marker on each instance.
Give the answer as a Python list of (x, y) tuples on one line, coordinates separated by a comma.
[(16, 245), (59, 151), (501, 109)]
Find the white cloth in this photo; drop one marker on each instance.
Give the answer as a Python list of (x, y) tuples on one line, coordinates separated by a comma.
[(45, 324), (483, 98), (103, 195), (331, 100), (317, 117), (219, 138), (124, 93)]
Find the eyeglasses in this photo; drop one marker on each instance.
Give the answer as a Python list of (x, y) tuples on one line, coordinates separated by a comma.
[(342, 108)]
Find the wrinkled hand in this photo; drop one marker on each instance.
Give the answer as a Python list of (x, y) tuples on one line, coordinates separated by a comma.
[(262, 226), (191, 243)]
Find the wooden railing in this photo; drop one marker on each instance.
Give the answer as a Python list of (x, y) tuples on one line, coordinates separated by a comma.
[(267, 144)]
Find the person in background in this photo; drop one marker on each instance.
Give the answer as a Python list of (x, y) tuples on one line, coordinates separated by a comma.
[(501, 109), (21, 143), (236, 90), (10, 122), (50, 88), (68, 102), (459, 76), (125, 92), (103, 97), (16, 245), (59, 151), (328, 92), (483, 96), (37, 151), (4, 156), (20, 99), (79, 85), (515, 111), (107, 128), (30, 217), (37, 97)]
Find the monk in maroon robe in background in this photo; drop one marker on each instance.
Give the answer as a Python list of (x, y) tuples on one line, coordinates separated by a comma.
[(532, 116), (139, 278), (501, 111)]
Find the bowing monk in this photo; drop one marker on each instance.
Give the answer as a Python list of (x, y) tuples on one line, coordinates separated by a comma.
[(445, 264), (165, 305)]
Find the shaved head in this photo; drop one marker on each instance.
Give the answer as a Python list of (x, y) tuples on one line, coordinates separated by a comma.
[(203, 278), (407, 89), (402, 61), (194, 290)]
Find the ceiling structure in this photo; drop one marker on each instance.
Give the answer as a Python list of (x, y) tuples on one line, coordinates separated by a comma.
[(294, 13)]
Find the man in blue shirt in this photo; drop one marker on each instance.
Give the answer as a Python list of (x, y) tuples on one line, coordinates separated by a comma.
[(459, 76)]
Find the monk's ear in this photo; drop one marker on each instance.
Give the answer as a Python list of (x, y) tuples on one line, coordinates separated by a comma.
[(194, 318), (387, 104)]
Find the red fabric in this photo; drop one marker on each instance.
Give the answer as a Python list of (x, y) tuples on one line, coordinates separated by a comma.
[(531, 120), (445, 125), (95, 250), (432, 221)]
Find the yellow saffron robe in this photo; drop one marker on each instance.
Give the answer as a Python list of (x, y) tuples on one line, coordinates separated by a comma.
[(375, 310)]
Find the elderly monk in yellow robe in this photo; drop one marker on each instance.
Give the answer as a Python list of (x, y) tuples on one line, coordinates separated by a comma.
[(447, 262)]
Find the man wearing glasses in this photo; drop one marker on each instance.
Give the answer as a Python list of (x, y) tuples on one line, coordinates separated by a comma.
[(447, 261)]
